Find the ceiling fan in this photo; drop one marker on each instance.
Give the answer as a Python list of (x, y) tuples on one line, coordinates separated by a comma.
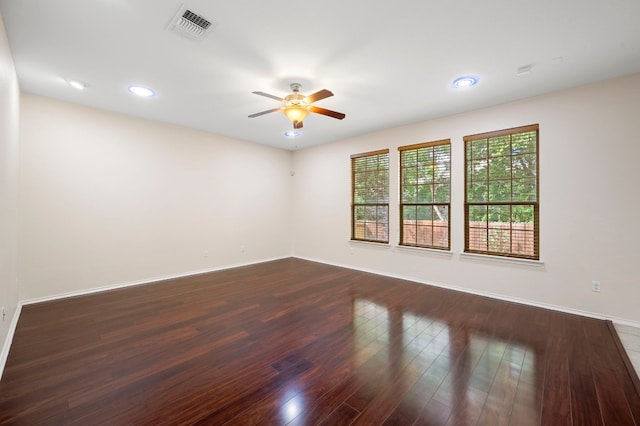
[(297, 106)]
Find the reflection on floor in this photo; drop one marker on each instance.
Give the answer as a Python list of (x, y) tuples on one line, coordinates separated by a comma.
[(630, 337), (490, 375)]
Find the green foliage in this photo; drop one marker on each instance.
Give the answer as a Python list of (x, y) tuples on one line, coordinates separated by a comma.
[(371, 189), (502, 169), (426, 175), (371, 179)]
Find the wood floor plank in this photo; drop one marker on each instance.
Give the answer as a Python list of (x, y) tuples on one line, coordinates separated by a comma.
[(556, 400), (343, 415), (302, 343)]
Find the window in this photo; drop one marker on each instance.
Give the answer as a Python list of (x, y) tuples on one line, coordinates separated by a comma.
[(501, 193), (425, 188), (370, 196)]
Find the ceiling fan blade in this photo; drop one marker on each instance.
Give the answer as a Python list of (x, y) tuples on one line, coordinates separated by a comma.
[(277, 98), (327, 112), (258, 114), (321, 94), (297, 124)]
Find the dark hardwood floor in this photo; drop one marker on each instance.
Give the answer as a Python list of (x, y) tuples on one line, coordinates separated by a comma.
[(302, 343)]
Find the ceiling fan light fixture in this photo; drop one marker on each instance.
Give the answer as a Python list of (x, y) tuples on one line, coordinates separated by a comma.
[(296, 112)]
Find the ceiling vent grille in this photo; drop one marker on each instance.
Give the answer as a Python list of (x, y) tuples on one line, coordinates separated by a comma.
[(191, 24)]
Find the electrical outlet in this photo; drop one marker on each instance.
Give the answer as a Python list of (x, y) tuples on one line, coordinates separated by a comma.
[(595, 286), (243, 248)]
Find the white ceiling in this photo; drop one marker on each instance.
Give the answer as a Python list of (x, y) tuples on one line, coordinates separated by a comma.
[(388, 63)]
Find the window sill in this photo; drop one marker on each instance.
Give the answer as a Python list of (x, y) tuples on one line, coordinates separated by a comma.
[(369, 243), (425, 250), (501, 259)]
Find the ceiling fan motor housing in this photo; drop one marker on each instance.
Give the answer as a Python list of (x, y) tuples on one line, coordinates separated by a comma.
[(295, 99)]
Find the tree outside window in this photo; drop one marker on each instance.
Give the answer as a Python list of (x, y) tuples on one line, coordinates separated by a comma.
[(501, 193), (370, 196), (425, 194)]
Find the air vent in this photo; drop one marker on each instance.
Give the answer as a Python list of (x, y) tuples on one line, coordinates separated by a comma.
[(190, 24)]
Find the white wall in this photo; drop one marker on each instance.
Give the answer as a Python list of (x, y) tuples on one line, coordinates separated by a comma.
[(589, 202), (108, 199), (9, 110)]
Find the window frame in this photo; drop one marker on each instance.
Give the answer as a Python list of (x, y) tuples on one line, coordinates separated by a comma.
[(402, 204), (377, 205), (535, 204)]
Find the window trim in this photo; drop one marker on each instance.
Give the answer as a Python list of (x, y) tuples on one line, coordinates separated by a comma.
[(354, 205), (535, 204), (417, 146)]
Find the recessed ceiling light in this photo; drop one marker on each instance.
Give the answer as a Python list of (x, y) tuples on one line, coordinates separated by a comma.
[(77, 84), (141, 91), (465, 81), (292, 134)]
